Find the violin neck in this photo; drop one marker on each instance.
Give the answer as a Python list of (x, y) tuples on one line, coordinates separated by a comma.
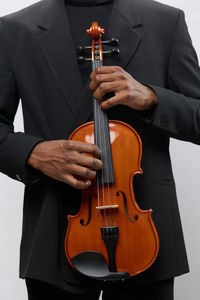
[(102, 139)]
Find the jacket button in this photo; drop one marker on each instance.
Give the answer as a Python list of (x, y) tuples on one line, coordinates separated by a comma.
[(164, 122)]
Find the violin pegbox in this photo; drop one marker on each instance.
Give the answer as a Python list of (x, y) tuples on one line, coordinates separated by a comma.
[(96, 32)]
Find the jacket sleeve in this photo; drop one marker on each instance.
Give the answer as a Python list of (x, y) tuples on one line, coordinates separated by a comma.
[(178, 110), (15, 147)]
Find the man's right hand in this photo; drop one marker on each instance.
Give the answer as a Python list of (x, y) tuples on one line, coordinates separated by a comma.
[(66, 161)]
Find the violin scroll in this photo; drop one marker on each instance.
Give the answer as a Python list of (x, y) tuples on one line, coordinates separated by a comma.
[(95, 31)]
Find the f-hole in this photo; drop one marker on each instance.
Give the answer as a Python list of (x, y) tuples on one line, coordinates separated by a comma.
[(82, 222), (126, 208)]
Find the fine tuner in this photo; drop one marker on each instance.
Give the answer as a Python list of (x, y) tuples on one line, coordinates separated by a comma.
[(83, 50)]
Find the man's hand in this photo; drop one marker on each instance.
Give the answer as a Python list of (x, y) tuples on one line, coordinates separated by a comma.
[(127, 90), (66, 161)]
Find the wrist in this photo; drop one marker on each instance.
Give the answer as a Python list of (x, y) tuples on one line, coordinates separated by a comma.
[(152, 98), (33, 159)]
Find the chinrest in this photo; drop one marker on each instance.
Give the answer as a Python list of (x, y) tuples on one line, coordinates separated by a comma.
[(93, 264)]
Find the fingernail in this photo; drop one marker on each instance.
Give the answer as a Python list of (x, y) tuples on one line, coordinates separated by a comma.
[(88, 182)]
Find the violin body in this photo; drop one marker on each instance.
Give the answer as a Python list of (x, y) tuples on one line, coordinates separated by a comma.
[(109, 221)]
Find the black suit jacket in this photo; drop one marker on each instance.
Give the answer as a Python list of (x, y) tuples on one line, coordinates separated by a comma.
[(38, 64)]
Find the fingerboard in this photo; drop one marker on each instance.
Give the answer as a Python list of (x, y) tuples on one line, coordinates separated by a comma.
[(102, 139)]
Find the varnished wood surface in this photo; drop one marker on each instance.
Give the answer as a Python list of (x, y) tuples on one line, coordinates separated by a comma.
[(138, 243)]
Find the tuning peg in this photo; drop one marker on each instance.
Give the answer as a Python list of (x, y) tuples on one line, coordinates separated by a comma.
[(82, 60), (113, 52), (113, 42), (83, 49)]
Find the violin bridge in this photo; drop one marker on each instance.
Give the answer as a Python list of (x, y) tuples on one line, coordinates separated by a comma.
[(107, 207)]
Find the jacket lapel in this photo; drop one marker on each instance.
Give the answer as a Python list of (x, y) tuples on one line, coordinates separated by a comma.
[(58, 49), (122, 25), (83, 112)]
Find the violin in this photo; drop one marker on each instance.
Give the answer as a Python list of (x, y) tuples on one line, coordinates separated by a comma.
[(110, 238)]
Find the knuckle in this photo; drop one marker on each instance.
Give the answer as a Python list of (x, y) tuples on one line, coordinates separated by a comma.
[(66, 179), (119, 68), (128, 94), (122, 76), (102, 86), (126, 85), (76, 184), (95, 147), (96, 150), (98, 164), (63, 144), (86, 173), (98, 70), (90, 174), (70, 157), (91, 75), (98, 78), (95, 163), (70, 144), (97, 95), (108, 103)]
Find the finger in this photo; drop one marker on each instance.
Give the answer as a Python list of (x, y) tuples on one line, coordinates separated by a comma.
[(108, 69), (92, 75), (98, 78), (113, 101), (83, 148), (84, 160), (77, 183), (106, 87), (110, 77), (81, 171), (88, 161), (105, 70)]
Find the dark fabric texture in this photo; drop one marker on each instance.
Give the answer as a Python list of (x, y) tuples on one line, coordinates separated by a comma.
[(161, 290), (39, 290), (88, 2), (38, 64)]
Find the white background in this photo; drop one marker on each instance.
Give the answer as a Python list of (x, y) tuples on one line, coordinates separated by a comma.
[(186, 166)]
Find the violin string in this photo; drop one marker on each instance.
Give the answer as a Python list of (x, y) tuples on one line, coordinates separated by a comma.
[(102, 173), (97, 177), (100, 142), (113, 195), (110, 186), (95, 135), (106, 166), (107, 174)]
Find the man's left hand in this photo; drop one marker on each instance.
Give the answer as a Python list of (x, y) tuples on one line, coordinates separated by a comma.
[(127, 91)]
